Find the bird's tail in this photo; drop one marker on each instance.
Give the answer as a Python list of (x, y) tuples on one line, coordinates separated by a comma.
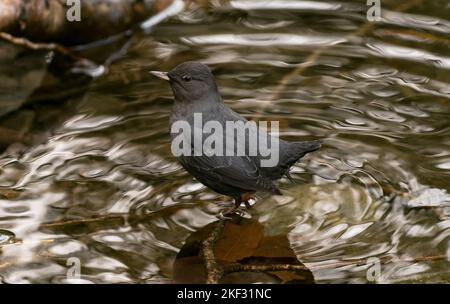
[(298, 149), (303, 147), (293, 152)]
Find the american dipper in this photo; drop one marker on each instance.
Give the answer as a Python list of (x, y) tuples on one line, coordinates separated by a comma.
[(235, 175)]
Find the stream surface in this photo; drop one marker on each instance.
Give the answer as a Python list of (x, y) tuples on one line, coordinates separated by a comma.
[(375, 197)]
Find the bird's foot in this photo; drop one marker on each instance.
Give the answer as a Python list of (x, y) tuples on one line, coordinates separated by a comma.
[(236, 206), (227, 209), (228, 212)]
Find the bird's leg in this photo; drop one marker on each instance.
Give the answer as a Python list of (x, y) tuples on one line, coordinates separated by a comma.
[(244, 198), (225, 206), (232, 210)]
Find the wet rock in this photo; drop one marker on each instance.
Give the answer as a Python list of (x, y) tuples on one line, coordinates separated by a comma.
[(40, 20), (242, 242)]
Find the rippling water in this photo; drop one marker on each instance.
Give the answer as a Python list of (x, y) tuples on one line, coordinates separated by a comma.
[(377, 93)]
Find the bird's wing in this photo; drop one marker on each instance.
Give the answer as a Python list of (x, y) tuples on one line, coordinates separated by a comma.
[(239, 172)]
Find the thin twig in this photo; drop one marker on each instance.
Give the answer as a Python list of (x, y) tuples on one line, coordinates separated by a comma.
[(290, 267), (34, 45), (58, 48), (213, 269), (263, 268), (386, 259), (5, 264), (113, 220)]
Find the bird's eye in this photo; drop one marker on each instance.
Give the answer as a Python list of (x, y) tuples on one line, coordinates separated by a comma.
[(186, 78)]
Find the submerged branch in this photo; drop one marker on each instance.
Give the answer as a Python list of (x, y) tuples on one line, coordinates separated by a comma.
[(263, 268), (111, 221), (213, 269)]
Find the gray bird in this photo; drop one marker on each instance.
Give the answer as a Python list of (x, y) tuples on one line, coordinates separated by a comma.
[(239, 176)]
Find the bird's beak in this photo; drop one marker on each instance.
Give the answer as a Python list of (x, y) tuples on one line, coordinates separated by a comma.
[(162, 75)]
